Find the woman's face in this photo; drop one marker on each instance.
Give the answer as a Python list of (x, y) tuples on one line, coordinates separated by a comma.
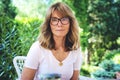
[(59, 25)]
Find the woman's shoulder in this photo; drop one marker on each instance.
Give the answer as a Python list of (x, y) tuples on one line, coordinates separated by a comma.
[(78, 50), (37, 45)]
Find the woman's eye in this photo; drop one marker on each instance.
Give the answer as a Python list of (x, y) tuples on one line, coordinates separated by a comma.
[(64, 19), (54, 19)]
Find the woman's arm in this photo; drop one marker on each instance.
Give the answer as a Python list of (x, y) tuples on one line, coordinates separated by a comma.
[(77, 65), (28, 74), (75, 75)]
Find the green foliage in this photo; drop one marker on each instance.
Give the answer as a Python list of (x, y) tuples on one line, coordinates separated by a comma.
[(86, 70), (13, 43), (116, 58), (7, 9), (8, 36), (30, 28), (12, 40), (104, 74), (113, 55), (104, 17), (9, 47), (104, 22), (107, 65), (108, 69), (104, 13)]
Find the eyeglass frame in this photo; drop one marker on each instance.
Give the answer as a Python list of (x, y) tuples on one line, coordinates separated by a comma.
[(60, 19)]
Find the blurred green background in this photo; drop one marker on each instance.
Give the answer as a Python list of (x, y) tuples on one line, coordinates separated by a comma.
[(99, 22)]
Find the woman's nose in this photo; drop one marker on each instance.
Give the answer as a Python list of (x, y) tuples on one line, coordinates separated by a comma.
[(59, 23)]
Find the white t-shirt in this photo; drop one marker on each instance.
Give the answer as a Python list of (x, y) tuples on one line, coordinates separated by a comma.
[(45, 62)]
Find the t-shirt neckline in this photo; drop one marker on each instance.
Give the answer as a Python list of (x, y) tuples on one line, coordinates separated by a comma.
[(57, 59)]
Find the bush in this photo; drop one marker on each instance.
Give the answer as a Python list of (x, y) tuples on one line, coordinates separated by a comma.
[(108, 69), (13, 43), (86, 70), (113, 55), (9, 47), (28, 30)]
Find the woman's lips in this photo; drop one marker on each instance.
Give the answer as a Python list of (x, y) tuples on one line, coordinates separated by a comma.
[(60, 30)]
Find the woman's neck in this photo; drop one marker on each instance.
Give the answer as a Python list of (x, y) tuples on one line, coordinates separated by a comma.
[(59, 43)]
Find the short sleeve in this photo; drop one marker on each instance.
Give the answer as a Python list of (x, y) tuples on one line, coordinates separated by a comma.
[(79, 60), (32, 60)]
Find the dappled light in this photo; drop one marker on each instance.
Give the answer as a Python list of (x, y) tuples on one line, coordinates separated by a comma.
[(31, 8)]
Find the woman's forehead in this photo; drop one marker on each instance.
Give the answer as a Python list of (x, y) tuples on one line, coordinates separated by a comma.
[(57, 13)]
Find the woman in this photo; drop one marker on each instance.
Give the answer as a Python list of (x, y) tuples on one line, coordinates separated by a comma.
[(58, 49)]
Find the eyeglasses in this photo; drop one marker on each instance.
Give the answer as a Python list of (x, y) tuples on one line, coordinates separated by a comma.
[(54, 21)]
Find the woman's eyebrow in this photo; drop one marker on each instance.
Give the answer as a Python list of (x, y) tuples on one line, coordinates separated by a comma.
[(58, 17), (54, 17)]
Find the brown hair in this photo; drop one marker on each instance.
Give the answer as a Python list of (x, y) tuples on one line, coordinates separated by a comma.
[(72, 38)]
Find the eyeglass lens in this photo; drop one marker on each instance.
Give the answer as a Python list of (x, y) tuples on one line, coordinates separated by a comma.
[(64, 20)]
